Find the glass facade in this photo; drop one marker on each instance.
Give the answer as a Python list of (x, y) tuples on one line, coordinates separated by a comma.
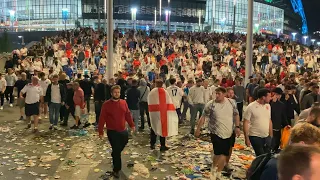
[(266, 18), (39, 14)]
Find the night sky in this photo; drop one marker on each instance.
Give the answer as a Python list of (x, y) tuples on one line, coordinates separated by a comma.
[(311, 9)]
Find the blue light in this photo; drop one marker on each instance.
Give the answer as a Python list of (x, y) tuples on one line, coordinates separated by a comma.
[(298, 8)]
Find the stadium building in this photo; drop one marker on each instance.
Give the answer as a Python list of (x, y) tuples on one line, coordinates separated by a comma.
[(187, 15)]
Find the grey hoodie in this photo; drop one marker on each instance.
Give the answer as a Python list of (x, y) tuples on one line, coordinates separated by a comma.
[(144, 90)]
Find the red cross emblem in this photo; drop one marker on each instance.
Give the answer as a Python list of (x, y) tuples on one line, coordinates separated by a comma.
[(163, 108)]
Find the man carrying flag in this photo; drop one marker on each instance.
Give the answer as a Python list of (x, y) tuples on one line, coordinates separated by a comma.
[(163, 116)]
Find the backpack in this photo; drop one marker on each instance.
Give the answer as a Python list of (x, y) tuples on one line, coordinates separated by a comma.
[(257, 166)]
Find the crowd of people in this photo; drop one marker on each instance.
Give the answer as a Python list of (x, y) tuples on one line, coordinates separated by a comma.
[(159, 77)]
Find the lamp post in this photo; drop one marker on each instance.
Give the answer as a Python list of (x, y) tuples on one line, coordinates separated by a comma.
[(293, 36), (313, 40), (110, 40), (318, 43), (105, 16), (199, 14), (160, 4), (169, 17), (134, 17), (65, 14), (249, 42), (234, 16), (278, 32), (12, 13), (155, 18), (305, 39), (168, 20), (22, 40)]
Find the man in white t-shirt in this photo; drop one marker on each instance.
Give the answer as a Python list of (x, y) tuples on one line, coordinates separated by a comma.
[(224, 126), (257, 124), (176, 95), (44, 83)]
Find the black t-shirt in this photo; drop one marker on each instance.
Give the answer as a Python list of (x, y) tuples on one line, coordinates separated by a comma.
[(20, 84)]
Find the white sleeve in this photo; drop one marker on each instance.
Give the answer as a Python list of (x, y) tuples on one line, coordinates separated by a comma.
[(25, 88), (247, 113)]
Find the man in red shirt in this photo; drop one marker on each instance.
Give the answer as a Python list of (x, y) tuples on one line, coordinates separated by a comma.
[(114, 115), (79, 104)]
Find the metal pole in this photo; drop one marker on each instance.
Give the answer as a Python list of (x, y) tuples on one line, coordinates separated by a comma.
[(110, 40), (169, 22), (249, 42), (105, 16), (99, 19), (234, 18), (160, 15), (65, 25)]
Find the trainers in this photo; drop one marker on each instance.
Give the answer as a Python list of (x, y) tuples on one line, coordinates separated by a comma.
[(152, 147), (46, 117), (29, 126), (1, 108), (164, 148), (86, 125), (55, 128), (11, 105), (74, 127), (21, 118), (51, 126), (39, 118), (115, 174)]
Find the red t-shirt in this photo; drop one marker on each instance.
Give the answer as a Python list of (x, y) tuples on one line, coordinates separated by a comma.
[(136, 63)]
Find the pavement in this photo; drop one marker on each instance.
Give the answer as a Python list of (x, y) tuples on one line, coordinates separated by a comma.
[(60, 154)]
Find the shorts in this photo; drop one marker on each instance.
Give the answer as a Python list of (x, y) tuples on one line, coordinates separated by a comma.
[(77, 111), (32, 109), (21, 103), (221, 146)]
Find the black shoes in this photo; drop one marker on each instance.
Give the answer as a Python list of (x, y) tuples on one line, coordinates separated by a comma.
[(64, 124), (164, 148), (51, 127), (29, 126), (116, 174), (152, 147), (74, 127)]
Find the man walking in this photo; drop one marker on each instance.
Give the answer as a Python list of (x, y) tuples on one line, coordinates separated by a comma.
[(79, 104), (19, 85), (223, 117), (258, 115), (33, 92), (176, 95), (143, 104), (114, 115), (55, 97), (196, 100), (11, 79), (133, 98)]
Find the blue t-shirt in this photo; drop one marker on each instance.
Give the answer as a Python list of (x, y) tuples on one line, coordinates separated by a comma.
[(270, 171), (186, 90)]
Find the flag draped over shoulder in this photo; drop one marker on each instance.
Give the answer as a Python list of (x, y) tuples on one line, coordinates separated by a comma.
[(163, 116)]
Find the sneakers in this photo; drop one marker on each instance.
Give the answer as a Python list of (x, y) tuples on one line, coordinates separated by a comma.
[(152, 147), (116, 174), (74, 127), (46, 117), (213, 174), (21, 118), (51, 127), (29, 126), (11, 105), (1, 107), (86, 125), (39, 118)]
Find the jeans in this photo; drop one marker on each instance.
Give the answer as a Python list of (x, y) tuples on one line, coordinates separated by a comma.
[(276, 140), (1, 98), (178, 110), (97, 109), (144, 110), (135, 115), (118, 140), (54, 110), (87, 100), (186, 105), (240, 109), (153, 139), (67, 112), (260, 145), (97, 60), (194, 111), (9, 93)]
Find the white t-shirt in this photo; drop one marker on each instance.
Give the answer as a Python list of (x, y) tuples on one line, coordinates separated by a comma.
[(3, 84), (64, 61), (176, 95), (292, 68), (44, 85), (103, 61), (259, 117), (33, 93), (38, 65), (55, 94)]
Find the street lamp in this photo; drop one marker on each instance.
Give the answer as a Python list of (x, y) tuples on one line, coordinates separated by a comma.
[(293, 36), (134, 17), (257, 27), (305, 39), (160, 15), (278, 32), (168, 19), (313, 40), (199, 14), (234, 16), (155, 17), (22, 40), (318, 43), (12, 13), (65, 14)]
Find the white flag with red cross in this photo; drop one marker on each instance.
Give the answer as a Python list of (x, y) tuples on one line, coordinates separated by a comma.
[(163, 115)]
